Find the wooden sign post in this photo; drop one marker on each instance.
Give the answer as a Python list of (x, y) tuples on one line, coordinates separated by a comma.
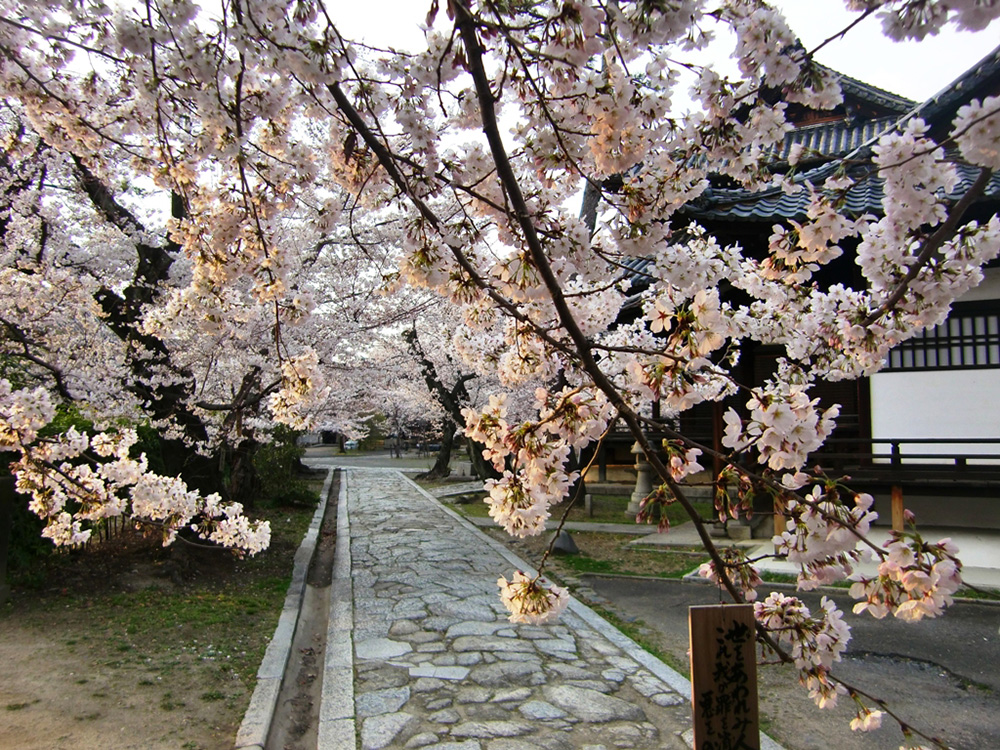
[(724, 677)]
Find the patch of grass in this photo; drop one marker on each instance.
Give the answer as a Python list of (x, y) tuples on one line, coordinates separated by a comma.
[(606, 509), (433, 484), (769, 577), (981, 595), (213, 695), (677, 515), (19, 706), (168, 703), (608, 554), (636, 562)]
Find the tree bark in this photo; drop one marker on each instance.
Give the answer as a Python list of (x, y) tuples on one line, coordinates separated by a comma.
[(442, 467)]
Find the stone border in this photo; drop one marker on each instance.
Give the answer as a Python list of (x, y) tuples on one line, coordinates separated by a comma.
[(337, 729), (672, 678), (256, 725)]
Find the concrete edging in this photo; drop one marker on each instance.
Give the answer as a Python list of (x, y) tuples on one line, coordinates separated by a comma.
[(253, 731), (674, 679), (337, 728)]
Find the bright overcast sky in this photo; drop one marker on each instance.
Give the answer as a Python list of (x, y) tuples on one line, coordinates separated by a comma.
[(917, 70), (914, 70)]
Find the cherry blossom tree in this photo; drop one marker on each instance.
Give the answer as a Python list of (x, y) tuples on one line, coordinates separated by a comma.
[(274, 131)]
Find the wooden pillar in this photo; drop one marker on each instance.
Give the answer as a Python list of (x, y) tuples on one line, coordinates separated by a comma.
[(780, 522), (898, 523)]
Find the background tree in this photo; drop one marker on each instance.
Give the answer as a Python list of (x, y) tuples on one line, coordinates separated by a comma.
[(275, 131)]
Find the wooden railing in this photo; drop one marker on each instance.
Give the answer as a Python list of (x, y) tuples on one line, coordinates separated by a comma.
[(892, 463), (895, 455)]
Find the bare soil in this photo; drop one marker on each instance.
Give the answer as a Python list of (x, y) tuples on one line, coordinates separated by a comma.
[(141, 647)]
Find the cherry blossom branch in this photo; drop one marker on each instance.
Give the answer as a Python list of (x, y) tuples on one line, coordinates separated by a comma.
[(20, 337), (932, 244), (580, 485), (467, 28)]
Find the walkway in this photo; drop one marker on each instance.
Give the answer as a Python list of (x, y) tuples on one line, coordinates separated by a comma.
[(437, 664), (419, 653)]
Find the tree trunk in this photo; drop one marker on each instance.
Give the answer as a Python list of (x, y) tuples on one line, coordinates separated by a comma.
[(441, 467), (480, 466), (243, 483)]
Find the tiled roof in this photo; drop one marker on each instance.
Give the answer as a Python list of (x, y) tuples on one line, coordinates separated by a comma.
[(866, 92), (832, 139), (774, 204), (839, 139), (962, 88)]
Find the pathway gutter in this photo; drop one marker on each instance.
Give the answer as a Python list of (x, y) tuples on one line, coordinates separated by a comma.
[(256, 725)]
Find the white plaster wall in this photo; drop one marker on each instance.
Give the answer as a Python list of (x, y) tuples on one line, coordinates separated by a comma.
[(989, 287), (937, 404)]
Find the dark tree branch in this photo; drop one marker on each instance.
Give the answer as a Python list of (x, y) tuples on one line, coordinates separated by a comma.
[(16, 334), (474, 51)]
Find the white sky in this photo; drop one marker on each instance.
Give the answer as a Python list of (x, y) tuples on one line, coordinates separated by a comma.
[(914, 70), (917, 70)]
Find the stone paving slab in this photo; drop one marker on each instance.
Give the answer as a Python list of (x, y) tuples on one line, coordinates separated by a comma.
[(437, 664)]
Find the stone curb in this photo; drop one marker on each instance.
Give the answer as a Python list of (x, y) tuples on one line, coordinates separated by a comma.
[(337, 730), (256, 725), (672, 678)]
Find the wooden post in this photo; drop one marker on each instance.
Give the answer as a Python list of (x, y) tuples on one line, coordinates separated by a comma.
[(897, 508), (779, 515), (724, 677)]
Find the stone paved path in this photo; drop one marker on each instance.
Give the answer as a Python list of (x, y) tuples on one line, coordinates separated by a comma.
[(437, 664)]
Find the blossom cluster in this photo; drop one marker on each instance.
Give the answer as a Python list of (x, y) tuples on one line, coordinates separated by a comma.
[(76, 480), (822, 535), (816, 641), (531, 602), (537, 453), (784, 426), (916, 579), (738, 569), (302, 389)]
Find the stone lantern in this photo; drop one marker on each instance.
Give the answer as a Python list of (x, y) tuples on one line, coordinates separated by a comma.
[(643, 481)]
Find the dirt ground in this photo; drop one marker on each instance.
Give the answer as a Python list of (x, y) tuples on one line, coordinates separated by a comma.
[(69, 680), (77, 672), (145, 649), (54, 695)]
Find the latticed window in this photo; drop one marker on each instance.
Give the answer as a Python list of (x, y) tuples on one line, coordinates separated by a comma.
[(969, 338)]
